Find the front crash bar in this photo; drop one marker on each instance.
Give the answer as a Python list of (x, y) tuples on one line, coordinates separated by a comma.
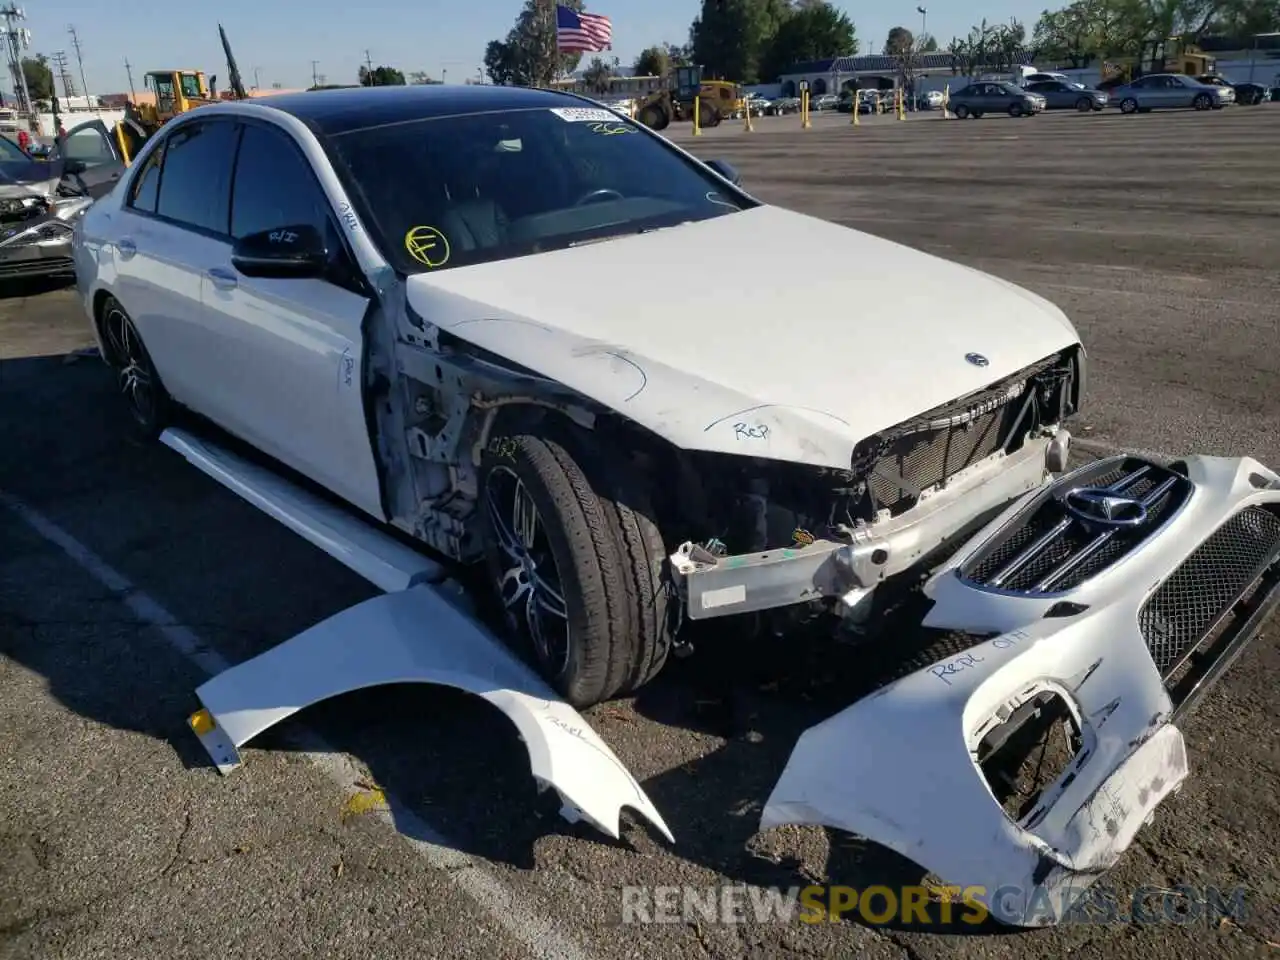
[(420, 635), (900, 767)]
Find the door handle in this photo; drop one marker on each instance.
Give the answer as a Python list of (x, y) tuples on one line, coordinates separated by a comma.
[(222, 278), (126, 247)]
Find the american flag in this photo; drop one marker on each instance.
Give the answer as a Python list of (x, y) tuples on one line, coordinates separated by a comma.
[(582, 32)]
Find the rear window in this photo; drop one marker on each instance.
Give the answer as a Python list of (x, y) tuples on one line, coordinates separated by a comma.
[(450, 191)]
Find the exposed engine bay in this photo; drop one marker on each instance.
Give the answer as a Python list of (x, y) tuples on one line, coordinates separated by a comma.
[(756, 505)]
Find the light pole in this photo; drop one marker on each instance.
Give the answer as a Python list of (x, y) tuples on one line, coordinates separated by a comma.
[(924, 22)]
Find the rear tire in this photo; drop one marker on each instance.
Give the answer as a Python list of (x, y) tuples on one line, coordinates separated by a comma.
[(582, 589), (1129, 105), (962, 112), (146, 400)]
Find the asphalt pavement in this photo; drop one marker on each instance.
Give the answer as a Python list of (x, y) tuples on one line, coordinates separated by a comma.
[(403, 822)]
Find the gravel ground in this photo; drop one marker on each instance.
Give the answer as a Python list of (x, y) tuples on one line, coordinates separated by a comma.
[(1157, 234)]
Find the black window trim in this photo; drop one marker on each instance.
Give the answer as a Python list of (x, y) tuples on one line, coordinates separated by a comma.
[(164, 145), (361, 283), (240, 121)]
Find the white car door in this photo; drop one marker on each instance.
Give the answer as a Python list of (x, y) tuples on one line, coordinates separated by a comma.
[(291, 350), (174, 223)]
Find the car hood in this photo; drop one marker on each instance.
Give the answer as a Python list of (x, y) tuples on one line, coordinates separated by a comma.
[(30, 178), (672, 330)]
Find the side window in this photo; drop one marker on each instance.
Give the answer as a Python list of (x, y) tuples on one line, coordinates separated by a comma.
[(146, 184), (190, 85), (274, 185), (89, 145), (195, 188)]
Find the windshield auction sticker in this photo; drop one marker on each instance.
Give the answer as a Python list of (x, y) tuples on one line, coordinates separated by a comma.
[(428, 246), (584, 115)]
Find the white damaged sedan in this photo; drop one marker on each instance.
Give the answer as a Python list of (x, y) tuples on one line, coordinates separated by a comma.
[(497, 325)]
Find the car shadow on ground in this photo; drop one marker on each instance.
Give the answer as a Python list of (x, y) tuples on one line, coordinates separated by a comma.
[(243, 583), (19, 288)]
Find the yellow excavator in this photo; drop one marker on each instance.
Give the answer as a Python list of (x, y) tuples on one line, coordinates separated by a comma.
[(176, 92)]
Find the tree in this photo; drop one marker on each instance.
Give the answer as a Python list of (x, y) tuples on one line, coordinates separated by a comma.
[(39, 77), (816, 31), (420, 78), (989, 49), (729, 37), (381, 77), (900, 42), (652, 62), (528, 55), (598, 74)]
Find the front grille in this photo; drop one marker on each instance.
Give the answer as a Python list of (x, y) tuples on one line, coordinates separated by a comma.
[(44, 266), (928, 451), (1188, 607), (1047, 549)]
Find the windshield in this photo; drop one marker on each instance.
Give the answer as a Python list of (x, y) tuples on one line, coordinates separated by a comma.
[(450, 191)]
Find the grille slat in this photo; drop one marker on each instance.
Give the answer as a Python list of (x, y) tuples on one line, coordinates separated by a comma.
[(1189, 606), (1048, 551)]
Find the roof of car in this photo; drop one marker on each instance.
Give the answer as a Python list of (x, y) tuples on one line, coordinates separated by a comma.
[(334, 112)]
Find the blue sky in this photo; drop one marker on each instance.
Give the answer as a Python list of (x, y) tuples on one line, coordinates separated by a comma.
[(282, 38)]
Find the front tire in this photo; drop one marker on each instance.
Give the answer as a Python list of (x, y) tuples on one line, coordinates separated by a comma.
[(1202, 102), (576, 562), (148, 403), (1084, 105), (962, 112)]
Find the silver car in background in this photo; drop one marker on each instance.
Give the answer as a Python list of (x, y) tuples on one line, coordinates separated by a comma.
[(1170, 90)]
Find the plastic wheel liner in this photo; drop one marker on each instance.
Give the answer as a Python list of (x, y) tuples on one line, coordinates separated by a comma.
[(1101, 607)]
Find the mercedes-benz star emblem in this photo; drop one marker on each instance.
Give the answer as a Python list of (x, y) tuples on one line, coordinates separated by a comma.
[(977, 359), (1104, 508)]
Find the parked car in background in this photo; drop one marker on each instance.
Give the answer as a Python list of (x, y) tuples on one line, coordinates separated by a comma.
[(824, 101), (930, 100), (41, 200), (1068, 95), (783, 105), (1246, 92), (995, 96), (1158, 91)]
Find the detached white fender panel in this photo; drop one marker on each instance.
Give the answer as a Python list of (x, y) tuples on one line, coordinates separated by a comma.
[(1121, 626), (419, 635)]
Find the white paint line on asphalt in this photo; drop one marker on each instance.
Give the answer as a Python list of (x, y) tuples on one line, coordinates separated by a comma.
[(495, 897)]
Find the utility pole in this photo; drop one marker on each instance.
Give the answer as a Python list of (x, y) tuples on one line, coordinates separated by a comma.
[(75, 43), (315, 78), (368, 66), (19, 39), (68, 85), (128, 70)]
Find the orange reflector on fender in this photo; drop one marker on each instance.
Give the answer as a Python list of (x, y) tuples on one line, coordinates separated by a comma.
[(201, 722)]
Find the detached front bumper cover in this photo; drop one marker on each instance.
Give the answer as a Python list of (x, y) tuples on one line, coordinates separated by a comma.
[(1117, 627)]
